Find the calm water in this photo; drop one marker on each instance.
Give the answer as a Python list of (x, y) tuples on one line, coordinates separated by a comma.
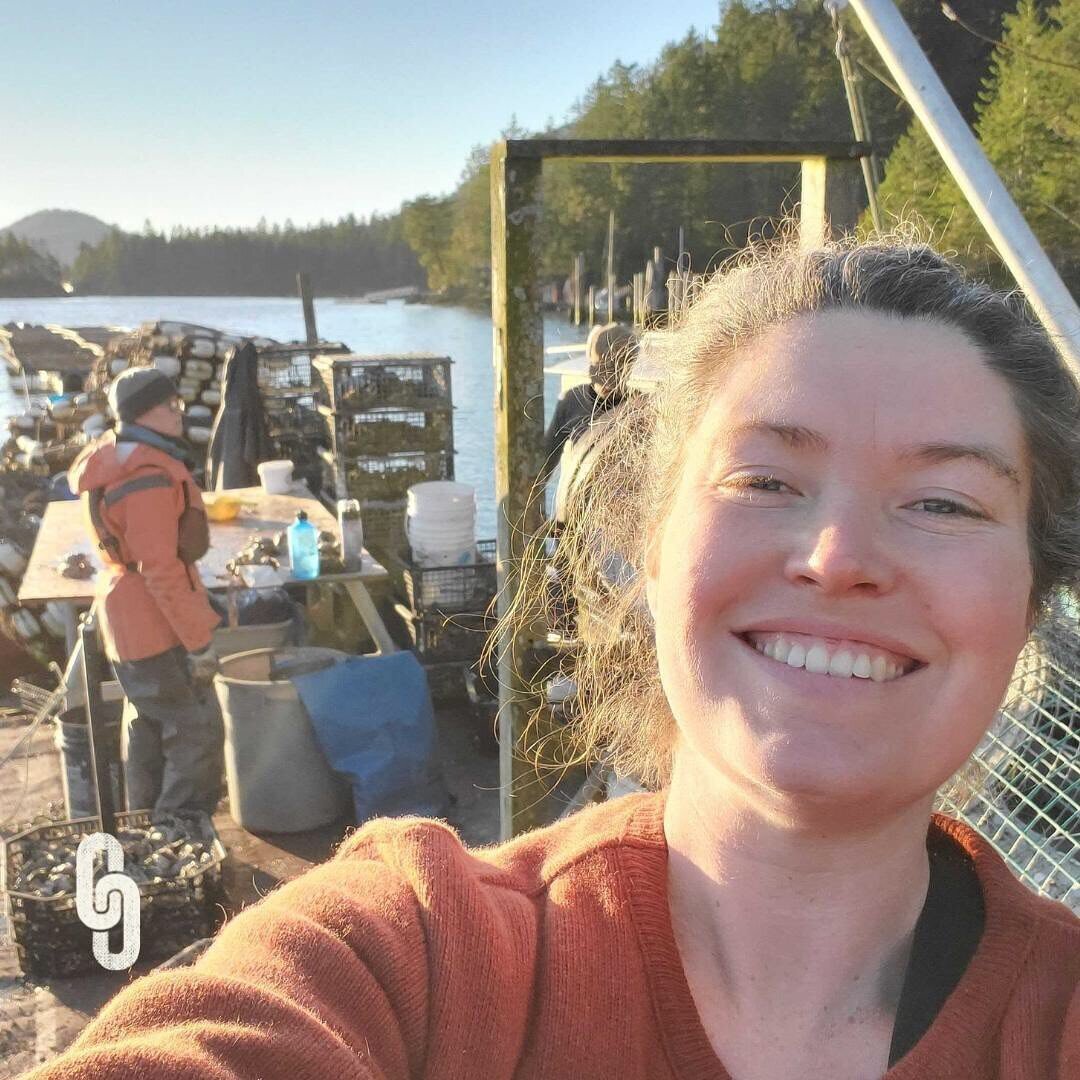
[(463, 335)]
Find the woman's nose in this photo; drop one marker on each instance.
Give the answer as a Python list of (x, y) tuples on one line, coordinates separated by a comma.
[(841, 554)]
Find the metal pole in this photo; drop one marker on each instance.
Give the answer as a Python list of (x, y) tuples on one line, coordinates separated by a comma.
[(982, 187), (303, 286), (93, 670), (859, 124)]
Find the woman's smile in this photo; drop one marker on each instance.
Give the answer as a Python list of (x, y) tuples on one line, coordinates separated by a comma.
[(842, 658)]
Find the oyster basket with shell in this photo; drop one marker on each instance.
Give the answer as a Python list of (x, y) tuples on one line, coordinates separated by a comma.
[(177, 866)]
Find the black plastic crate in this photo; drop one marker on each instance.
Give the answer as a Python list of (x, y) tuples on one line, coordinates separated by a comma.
[(49, 939), (414, 380), (451, 588), (438, 636), (446, 682)]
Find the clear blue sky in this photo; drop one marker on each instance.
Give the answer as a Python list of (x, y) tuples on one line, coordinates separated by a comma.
[(201, 113)]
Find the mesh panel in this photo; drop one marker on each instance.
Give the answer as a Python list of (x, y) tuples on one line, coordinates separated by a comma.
[(1023, 790)]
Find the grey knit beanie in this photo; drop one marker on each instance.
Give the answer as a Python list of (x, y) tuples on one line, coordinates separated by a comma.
[(137, 391)]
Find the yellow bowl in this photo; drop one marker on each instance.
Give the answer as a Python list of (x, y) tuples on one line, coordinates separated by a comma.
[(221, 507)]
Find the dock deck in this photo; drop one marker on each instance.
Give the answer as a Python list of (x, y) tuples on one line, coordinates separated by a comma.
[(39, 1019)]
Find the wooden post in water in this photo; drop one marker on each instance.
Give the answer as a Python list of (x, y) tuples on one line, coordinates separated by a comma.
[(579, 283), (611, 266), (303, 286), (518, 341)]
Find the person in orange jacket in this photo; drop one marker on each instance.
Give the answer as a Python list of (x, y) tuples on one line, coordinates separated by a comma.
[(146, 515)]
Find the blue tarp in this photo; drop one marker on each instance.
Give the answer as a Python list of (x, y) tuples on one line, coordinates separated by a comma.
[(374, 721)]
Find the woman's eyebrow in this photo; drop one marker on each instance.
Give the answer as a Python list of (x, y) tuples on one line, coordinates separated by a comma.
[(801, 437), (992, 458), (793, 434)]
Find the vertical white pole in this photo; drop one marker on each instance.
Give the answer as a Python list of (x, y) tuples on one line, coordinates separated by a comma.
[(980, 184)]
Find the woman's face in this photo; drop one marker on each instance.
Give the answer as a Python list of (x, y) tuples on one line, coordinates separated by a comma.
[(841, 588)]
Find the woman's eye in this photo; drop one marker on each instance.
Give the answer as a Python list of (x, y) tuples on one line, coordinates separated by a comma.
[(947, 507), (767, 484)]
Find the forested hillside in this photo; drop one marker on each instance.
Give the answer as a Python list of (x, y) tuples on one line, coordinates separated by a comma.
[(25, 271), (348, 258)]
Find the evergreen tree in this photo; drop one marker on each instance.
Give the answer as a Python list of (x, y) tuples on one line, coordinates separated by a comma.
[(1028, 122)]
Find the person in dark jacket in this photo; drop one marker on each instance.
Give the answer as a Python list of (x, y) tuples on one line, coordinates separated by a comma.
[(146, 515), (611, 351)]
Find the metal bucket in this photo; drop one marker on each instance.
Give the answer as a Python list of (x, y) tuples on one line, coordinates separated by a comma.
[(278, 777)]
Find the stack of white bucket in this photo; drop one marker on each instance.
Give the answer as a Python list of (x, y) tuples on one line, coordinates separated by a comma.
[(440, 522)]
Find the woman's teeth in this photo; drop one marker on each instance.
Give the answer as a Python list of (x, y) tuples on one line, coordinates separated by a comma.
[(842, 661)]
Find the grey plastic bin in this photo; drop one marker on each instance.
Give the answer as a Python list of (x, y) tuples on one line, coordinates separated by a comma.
[(278, 777)]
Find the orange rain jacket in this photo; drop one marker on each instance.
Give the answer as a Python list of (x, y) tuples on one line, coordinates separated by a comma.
[(162, 602)]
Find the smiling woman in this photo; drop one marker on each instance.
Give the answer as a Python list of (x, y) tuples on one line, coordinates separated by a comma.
[(835, 523), (900, 358)]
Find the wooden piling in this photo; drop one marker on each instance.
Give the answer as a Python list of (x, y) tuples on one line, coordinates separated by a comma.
[(579, 284), (611, 266), (303, 287), (519, 433)]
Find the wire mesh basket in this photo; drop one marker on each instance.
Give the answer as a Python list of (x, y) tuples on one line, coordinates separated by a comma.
[(388, 478), (1023, 792), (384, 527), (471, 587), (389, 430), (437, 637), (48, 936), (288, 367), (413, 380)]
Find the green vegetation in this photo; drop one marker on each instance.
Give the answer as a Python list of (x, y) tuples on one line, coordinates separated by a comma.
[(25, 271), (348, 258), (770, 72), (1028, 121)]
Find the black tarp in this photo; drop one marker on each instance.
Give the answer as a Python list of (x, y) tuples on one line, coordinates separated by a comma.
[(239, 441)]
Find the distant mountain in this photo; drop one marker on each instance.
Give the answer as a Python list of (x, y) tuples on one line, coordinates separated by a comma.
[(59, 233)]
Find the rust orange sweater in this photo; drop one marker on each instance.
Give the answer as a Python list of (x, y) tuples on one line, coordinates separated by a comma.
[(550, 957)]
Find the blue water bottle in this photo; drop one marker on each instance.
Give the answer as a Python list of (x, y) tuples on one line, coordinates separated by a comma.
[(303, 548)]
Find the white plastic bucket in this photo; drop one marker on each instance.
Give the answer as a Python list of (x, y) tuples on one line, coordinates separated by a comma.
[(441, 533), (456, 557), (276, 477), (434, 496), (440, 523)]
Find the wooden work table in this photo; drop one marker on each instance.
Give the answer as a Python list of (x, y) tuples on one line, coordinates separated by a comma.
[(64, 531)]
